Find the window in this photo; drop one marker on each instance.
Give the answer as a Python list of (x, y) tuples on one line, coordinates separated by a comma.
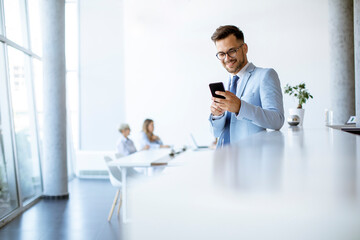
[(35, 27), (15, 23), (21, 99), (1, 19), (8, 191), (24, 125), (72, 81)]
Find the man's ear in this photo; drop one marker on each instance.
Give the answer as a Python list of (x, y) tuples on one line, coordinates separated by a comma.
[(245, 48)]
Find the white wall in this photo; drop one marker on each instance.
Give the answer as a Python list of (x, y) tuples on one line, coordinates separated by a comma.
[(101, 73), (170, 59)]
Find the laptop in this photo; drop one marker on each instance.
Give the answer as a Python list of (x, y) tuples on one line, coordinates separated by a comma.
[(197, 147)]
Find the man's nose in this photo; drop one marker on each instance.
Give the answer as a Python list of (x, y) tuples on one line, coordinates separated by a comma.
[(227, 57)]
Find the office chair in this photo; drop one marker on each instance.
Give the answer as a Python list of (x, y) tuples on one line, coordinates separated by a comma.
[(118, 155), (115, 179)]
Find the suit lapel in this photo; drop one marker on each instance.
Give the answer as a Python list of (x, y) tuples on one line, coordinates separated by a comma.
[(245, 79)]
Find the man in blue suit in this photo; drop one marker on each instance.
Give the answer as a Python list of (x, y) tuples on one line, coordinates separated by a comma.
[(254, 100)]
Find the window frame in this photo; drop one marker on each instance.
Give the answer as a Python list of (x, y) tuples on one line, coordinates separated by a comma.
[(6, 107)]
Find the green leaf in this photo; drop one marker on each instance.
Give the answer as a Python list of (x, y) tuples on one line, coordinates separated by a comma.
[(299, 91)]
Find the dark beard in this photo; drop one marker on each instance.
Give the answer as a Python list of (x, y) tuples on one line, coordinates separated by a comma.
[(239, 66)]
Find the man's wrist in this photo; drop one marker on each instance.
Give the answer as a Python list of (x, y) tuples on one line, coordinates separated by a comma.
[(214, 117), (237, 113)]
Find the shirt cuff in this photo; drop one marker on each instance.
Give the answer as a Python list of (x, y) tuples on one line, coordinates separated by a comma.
[(217, 117)]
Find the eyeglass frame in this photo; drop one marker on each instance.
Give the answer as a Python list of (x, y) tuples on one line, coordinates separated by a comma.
[(227, 53)]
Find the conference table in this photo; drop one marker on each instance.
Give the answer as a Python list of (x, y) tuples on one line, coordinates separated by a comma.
[(143, 159), (297, 183)]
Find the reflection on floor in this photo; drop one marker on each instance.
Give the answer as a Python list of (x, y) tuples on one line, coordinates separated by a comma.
[(83, 216)]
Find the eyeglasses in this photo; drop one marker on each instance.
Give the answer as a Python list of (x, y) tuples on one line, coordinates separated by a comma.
[(231, 53)]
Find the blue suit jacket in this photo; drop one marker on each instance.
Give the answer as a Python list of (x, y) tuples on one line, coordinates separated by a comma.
[(261, 106)]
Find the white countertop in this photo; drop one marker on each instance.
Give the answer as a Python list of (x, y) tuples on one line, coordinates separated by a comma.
[(142, 158), (293, 184)]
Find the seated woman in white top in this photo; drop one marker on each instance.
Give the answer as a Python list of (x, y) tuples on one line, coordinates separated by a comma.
[(125, 146), (148, 139)]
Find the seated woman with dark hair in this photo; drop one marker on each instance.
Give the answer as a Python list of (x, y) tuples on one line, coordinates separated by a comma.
[(148, 138)]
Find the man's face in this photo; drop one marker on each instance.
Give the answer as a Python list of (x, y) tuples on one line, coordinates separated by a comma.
[(232, 64)]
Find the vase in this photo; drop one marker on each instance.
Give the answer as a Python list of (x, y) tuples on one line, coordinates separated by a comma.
[(298, 111)]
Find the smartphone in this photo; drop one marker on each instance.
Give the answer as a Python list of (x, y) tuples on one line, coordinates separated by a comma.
[(218, 86)]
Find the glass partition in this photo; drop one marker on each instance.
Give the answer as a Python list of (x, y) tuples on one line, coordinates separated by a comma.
[(38, 94), (72, 82), (21, 83), (8, 194), (20, 67), (34, 26), (24, 126), (15, 21), (1, 19), (71, 36)]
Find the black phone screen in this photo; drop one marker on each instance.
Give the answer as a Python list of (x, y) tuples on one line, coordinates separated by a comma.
[(218, 86)]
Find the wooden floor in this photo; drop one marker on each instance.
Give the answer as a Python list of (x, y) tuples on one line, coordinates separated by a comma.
[(82, 216)]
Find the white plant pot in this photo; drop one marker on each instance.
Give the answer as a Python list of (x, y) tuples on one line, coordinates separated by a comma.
[(298, 111)]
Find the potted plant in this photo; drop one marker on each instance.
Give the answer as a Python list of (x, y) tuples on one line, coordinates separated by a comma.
[(302, 94)]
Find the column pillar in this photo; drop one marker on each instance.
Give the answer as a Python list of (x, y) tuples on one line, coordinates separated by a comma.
[(342, 60), (357, 58), (54, 164)]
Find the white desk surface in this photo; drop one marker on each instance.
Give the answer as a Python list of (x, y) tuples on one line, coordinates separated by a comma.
[(141, 158), (293, 184)]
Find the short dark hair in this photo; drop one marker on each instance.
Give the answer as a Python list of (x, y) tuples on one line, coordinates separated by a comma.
[(224, 31)]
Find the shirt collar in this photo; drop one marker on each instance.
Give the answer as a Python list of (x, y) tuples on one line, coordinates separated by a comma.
[(242, 71), (123, 139)]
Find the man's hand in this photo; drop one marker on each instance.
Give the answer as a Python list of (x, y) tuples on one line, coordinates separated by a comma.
[(231, 103), (215, 109)]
